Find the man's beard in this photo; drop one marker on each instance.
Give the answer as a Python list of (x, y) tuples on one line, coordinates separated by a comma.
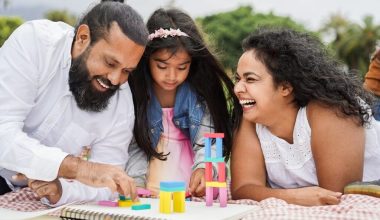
[(88, 98)]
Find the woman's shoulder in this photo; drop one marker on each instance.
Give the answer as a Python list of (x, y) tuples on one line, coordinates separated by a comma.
[(321, 113)]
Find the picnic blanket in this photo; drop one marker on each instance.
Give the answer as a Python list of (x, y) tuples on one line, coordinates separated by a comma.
[(352, 206)]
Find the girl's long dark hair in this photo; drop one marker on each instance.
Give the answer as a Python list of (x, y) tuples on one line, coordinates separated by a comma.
[(304, 62), (206, 76)]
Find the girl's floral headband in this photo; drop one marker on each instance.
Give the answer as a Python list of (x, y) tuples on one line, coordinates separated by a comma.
[(164, 33)]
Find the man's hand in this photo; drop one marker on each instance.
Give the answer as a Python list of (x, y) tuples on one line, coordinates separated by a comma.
[(197, 183), (51, 190), (98, 175)]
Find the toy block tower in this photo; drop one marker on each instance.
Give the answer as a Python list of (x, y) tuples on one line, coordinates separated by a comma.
[(210, 183), (166, 191)]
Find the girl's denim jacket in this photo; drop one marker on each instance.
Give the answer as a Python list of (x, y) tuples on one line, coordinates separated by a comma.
[(191, 115)]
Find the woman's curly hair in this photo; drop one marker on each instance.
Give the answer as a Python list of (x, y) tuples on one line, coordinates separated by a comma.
[(303, 61)]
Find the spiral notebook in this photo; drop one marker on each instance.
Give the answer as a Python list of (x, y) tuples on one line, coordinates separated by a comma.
[(194, 210)]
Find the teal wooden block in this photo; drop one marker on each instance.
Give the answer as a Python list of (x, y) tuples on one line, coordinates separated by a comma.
[(172, 184), (215, 159), (123, 198), (141, 207)]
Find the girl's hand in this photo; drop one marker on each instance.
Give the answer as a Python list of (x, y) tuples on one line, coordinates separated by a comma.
[(197, 183), (19, 179), (315, 195), (50, 190)]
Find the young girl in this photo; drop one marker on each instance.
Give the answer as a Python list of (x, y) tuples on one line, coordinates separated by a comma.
[(307, 130), (180, 92)]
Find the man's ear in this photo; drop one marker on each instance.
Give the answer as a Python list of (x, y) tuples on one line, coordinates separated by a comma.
[(286, 88), (82, 40)]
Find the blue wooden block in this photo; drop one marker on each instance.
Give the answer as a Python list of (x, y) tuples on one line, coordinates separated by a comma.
[(172, 184), (207, 147), (219, 147)]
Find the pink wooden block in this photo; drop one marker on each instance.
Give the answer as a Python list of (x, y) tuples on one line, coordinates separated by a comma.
[(214, 135), (221, 172), (215, 192), (209, 192), (223, 197), (143, 192), (107, 203)]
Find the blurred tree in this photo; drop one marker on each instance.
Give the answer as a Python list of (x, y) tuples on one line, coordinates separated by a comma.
[(7, 26), (353, 43), (335, 26), (5, 3), (227, 30), (61, 15), (171, 3)]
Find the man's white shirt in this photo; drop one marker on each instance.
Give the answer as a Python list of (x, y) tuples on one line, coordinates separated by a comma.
[(40, 123)]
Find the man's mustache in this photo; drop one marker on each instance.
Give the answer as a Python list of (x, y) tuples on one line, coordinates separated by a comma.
[(89, 79)]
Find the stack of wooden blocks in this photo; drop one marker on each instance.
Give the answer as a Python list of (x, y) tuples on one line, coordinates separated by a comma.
[(167, 189), (221, 183)]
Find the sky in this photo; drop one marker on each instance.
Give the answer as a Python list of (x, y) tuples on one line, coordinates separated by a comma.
[(311, 13)]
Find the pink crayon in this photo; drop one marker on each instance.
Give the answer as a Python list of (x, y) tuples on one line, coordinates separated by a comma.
[(107, 203)]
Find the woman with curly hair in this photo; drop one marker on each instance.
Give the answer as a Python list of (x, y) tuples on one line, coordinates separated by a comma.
[(307, 129)]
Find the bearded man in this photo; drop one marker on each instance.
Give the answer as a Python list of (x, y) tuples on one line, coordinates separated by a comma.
[(62, 90)]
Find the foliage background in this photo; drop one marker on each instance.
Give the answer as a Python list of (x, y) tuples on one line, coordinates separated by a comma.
[(352, 42)]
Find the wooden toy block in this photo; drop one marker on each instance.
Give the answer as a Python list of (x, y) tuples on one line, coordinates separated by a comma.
[(143, 192), (141, 207), (165, 202), (221, 184), (122, 197), (207, 142), (165, 189), (223, 197), (209, 195), (208, 172), (215, 160), (214, 135), (216, 184), (179, 201), (219, 147), (125, 203), (221, 172), (173, 184), (107, 203)]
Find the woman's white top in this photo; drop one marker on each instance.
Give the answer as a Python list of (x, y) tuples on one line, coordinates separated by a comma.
[(293, 166)]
